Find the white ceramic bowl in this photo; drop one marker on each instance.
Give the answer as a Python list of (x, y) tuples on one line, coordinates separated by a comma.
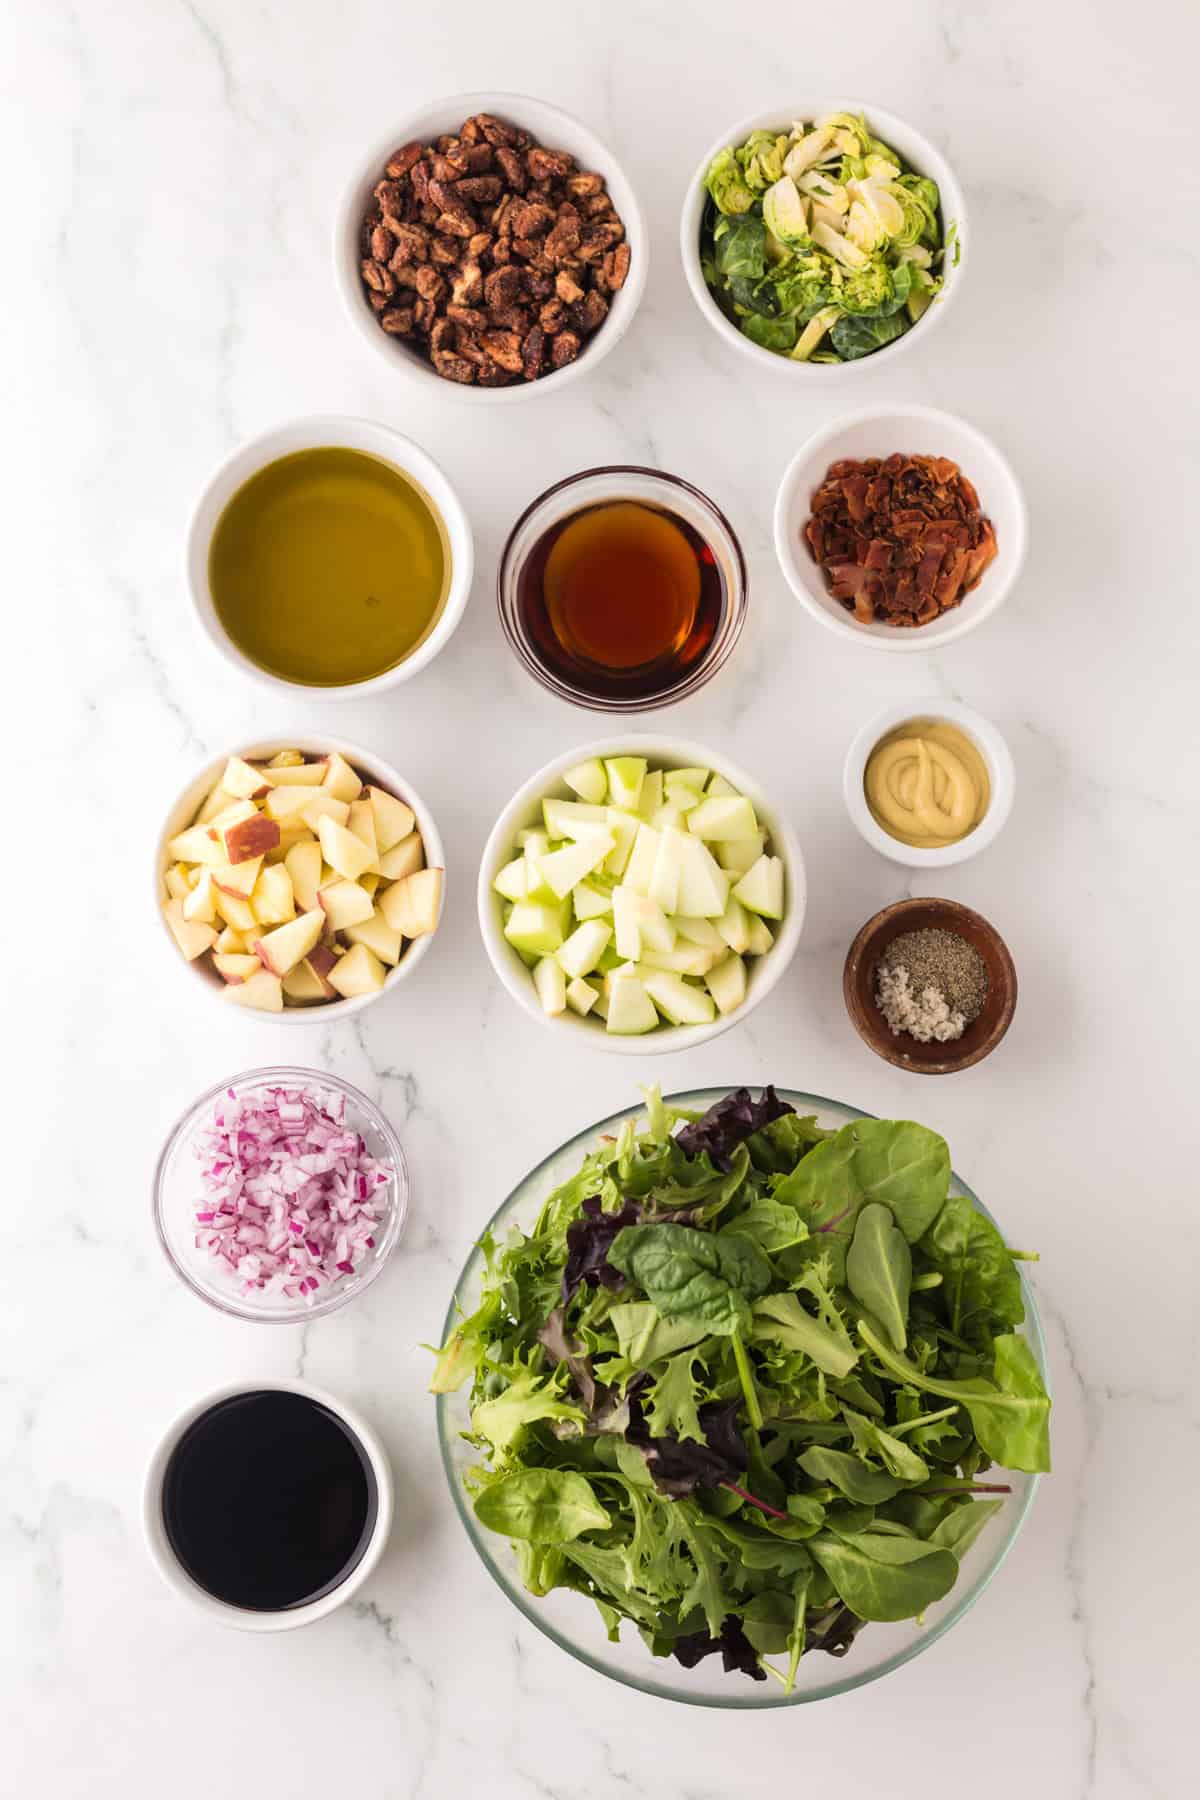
[(997, 760), (883, 431), (201, 973), (525, 809), (918, 154), (219, 1611), (319, 432), (554, 129)]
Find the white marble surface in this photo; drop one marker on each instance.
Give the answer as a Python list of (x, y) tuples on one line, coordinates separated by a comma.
[(173, 170)]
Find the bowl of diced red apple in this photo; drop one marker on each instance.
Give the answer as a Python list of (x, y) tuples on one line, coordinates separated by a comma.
[(643, 894), (299, 878)]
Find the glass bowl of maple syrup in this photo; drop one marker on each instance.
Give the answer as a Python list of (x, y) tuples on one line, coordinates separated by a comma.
[(622, 589)]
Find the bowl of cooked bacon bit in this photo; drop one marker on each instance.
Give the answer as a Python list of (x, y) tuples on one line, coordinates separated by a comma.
[(902, 527)]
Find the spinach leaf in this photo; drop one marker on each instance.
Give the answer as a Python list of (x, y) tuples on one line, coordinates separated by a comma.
[(782, 1319), (981, 1289), (879, 1270), (854, 1478), (543, 1506), (854, 336), (1010, 1413), (883, 1577), (698, 1274), (901, 1165), (778, 1146), (960, 1527), (645, 1337), (771, 1224)]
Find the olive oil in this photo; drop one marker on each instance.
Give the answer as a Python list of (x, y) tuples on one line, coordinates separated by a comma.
[(621, 599), (329, 567)]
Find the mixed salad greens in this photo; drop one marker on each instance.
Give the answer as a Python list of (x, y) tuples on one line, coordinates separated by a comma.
[(743, 1381), (818, 243)]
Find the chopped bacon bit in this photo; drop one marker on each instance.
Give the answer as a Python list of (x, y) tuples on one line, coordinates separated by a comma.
[(899, 540)]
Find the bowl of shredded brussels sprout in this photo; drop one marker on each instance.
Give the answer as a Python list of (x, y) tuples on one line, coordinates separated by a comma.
[(823, 238)]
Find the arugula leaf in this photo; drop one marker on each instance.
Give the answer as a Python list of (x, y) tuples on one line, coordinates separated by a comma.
[(882, 1577), (1010, 1414), (695, 1274), (544, 1506), (879, 1270)]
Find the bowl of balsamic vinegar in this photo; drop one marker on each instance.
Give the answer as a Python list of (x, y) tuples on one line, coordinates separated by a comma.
[(267, 1505), (622, 589)]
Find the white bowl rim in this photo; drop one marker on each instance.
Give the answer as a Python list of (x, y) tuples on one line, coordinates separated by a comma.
[(328, 430), (240, 1618), (988, 740), (363, 760), (971, 612), (664, 1038), (891, 127), (347, 222)]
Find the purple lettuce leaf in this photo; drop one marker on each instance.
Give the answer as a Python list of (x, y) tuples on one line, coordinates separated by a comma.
[(729, 1122)]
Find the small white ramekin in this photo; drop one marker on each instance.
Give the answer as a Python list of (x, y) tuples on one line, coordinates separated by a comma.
[(182, 813), (240, 1618), (323, 431), (918, 153), (555, 130), (525, 808), (997, 760), (907, 430)]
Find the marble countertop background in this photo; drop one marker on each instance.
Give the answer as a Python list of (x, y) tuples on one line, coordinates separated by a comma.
[(173, 169)]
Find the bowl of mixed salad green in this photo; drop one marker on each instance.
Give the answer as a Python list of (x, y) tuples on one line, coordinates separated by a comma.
[(742, 1397), (824, 238)]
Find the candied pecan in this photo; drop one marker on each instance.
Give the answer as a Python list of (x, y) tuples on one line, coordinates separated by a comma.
[(446, 251), (596, 207), (565, 350), (376, 302), (471, 132), (405, 273), (479, 188), (616, 267), (478, 158), (378, 277), (552, 317), (503, 287), (468, 345), (502, 252), (512, 167), (412, 243), (429, 283), (473, 317), (566, 286), (419, 176), (531, 218), (493, 375), (495, 130), (479, 245), (444, 194), (533, 353), (584, 184), (564, 240), (504, 347), (501, 222), (398, 321), (449, 140), (382, 244), (589, 313), (467, 285), (392, 198), (512, 318), (425, 312), (401, 161), (538, 287), (543, 164), (461, 224)]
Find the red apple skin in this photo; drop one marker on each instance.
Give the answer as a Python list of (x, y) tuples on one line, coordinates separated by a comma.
[(251, 837), (264, 956), (320, 960)]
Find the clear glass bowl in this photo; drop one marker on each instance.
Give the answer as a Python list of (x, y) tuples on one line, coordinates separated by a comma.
[(177, 1188), (595, 487), (571, 1621)]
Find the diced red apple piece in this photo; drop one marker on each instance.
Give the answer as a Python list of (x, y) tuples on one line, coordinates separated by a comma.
[(302, 774), (287, 804), (237, 966), (370, 882), (243, 780), (237, 881), (195, 846), (404, 858), (358, 972), (286, 759), (361, 824), (198, 905), (345, 903), (272, 900), (289, 836), (216, 801), (280, 950), (412, 906), (320, 804), (230, 942), (378, 936), (340, 779), (303, 863), (263, 991), (244, 832), (193, 938), (319, 962), (393, 820), (342, 850), (235, 912), (177, 884), (302, 987)]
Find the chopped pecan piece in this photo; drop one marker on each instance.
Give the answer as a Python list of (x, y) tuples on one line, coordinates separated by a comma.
[(480, 188), (566, 349), (552, 317), (425, 313), (596, 207), (533, 353), (479, 245), (419, 176), (479, 158), (493, 375), (376, 302), (412, 244), (584, 184), (378, 277), (467, 285), (429, 283), (512, 318), (460, 224), (503, 287), (589, 313), (401, 161), (564, 241), (405, 273), (504, 347), (544, 164), (398, 321), (494, 130), (616, 267), (512, 168), (473, 317), (566, 286), (445, 250), (531, 218), (538, 287)]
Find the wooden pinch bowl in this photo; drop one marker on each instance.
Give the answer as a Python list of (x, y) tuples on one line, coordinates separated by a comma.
[(981, 1035)]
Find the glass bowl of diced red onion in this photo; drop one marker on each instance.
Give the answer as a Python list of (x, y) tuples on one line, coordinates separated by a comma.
[(280, 1194)]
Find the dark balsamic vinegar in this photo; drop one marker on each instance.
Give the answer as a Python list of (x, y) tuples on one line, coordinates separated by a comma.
[(269, 1501)]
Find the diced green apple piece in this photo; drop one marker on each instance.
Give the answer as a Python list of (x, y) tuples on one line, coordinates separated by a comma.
[(628, 939), (724, 817), (670, 813), (394, 820), (404, 858), (600, 1005), (682, 1003), (591, 902), (413, 906), (726, 982), (345, 903), (626, 775), (568, 818), (718, 786), (358, 972), (303, 863), (624, 827), (340, 780), (588, 780), (263, 992), (734, 926), (699, 931), (652, 795), (551, 985), (609, 960), (193, 937), (654, 928), (684, 959), (640, 866), (703, 887), (761, 935), (513, 880), (561, 869), (535, 927), (630, 1008), (681, 782), (663, 886), (737, 855), (581, 996), (378, 936), (583, 949), (280, 950), (761, 889)]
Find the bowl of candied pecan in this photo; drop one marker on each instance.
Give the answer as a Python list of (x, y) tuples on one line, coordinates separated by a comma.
[(902, 527), (493, 243)]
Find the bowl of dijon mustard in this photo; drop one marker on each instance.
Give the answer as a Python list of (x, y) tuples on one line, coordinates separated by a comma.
[(928, 783)]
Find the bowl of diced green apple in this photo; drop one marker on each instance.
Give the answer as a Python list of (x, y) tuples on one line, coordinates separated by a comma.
[(642, 893)]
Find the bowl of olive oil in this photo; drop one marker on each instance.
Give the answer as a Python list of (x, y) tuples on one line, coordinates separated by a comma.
[(330, 554)]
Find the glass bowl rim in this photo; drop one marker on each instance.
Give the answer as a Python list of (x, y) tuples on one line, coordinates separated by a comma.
[(231, 1305), (710, 664), (739, 1701)]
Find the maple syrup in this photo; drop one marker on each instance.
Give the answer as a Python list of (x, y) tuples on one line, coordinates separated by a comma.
[(621, 599)]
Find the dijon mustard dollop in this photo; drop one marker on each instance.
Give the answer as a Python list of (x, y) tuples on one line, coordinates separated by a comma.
[(926, 784)]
